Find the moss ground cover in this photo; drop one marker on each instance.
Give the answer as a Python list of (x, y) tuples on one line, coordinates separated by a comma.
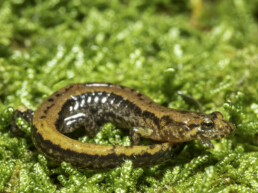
[(205, 49)]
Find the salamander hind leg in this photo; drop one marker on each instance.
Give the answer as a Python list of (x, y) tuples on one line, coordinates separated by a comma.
[(26, 114), (91, 127)]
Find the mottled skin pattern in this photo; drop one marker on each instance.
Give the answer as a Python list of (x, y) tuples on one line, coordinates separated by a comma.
[(92, 104)]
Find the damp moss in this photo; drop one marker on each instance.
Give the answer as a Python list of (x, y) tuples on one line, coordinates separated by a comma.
[(207, 50)]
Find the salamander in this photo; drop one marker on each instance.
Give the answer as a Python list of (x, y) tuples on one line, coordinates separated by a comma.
[(90, 105)]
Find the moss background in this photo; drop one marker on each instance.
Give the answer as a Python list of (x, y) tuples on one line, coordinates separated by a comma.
[(205, 49)]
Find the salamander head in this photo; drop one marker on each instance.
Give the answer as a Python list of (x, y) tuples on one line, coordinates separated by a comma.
[(198, 126), (213, 126)]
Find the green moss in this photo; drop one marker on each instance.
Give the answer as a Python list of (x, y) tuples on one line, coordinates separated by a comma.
[(158, 47)]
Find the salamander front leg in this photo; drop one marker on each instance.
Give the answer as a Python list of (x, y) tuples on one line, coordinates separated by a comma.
[(207, 143), (134, 137), (138, 132)]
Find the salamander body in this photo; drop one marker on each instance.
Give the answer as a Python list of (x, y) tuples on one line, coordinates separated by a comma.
[(90, 105)]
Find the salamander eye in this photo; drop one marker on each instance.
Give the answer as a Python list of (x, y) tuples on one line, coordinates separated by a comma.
[(207, 125)]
